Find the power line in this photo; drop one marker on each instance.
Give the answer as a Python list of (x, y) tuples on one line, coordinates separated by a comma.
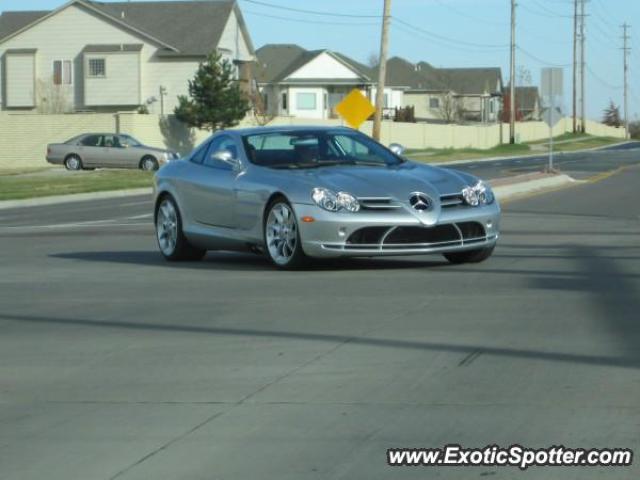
[(314, 22), (540, 61), (312, 12), (602, 81), (447, 39)]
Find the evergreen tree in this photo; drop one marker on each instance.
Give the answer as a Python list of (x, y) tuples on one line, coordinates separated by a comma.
[(215, 100), (612, 115)]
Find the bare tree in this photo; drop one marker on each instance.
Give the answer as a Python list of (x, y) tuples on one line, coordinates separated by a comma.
[(260, 108), (451, 109), (52, 98), (523, 77), (373, 60)]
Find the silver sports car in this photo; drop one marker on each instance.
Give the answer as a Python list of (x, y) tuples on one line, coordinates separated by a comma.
[(299, 192)]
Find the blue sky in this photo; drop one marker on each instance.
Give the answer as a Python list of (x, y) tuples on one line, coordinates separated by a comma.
[(456, 33)]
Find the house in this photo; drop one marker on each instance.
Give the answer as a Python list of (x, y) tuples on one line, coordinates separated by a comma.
[(528, 106), (448, 94), (310, 83), (95, 56)]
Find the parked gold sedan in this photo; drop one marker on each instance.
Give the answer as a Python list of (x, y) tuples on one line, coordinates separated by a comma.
[(107, 150)]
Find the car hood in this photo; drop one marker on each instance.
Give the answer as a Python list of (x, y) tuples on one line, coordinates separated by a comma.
[(397, 181)]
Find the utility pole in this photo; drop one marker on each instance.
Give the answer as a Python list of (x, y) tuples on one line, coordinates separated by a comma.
[(575, 66), (512, 86), (382, 70), (583, 94), (625, 51)]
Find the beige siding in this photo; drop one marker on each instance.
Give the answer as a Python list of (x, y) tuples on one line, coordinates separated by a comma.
[(63, 37), (121, 83), (20, 78), (173, 75), (232, 41)]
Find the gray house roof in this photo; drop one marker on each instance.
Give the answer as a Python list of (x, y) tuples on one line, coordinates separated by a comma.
[(526, 97), (472, 81), (275, 62), (190, 28)]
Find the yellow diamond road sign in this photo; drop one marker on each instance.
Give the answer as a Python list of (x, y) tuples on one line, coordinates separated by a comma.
[(355, 108)]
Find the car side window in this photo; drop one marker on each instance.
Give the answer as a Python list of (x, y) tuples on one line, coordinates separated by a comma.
[(218, 144), (111, 141), (92, 141), (198, 155)]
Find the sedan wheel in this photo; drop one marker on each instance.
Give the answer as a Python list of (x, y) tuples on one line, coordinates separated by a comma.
[(73, 162), (148, 164), (282, 238), (171, 240)]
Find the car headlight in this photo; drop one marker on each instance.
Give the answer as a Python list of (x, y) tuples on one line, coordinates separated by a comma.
[(478, 194), (333, 202)]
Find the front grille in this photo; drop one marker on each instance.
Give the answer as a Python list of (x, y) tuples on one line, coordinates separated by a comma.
[(451, 200), (377, 203), (417, 237), (409, 235)]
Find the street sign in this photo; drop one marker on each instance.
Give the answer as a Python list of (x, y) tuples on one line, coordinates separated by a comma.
[(551, 86), (355, 108), (551, 116), (552, 83)]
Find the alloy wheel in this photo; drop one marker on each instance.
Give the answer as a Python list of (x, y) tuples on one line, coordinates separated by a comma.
[(281, 233), (167, 227)]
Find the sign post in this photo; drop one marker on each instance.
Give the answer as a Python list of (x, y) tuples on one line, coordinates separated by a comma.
[(551, 86)]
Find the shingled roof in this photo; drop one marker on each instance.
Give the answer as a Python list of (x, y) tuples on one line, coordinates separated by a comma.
[(277, 61), (526, 97), (472, 81), (190, 27)]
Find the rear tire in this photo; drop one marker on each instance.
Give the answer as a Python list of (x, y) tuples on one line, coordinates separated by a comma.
[(173, 245), (470, 256), (73, 163), (148, 164), (282, 236)]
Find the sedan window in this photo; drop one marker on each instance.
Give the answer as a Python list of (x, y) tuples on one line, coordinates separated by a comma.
[(92, 141)]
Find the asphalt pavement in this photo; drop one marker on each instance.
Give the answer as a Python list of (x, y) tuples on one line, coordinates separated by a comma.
[(117, 365), (579, 165)]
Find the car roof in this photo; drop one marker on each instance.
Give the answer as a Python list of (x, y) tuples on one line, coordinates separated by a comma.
[(288, 128)]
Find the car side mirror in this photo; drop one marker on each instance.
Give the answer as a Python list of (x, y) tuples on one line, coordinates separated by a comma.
[(226, 157), (397, 148)]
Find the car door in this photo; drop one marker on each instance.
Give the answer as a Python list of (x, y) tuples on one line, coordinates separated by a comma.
[(113, 155), (90, 150), (128, 156), (210, 187)]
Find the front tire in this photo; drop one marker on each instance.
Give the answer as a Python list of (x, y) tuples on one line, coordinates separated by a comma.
[(282, 237), (173, 245), (73, 163), (469, 256), (149, 164)]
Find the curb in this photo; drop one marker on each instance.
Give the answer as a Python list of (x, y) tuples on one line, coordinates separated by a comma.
[(517, 189), (532, 155), (74, 197)]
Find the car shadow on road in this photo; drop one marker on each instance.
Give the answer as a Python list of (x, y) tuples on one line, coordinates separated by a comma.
[(247, 261)]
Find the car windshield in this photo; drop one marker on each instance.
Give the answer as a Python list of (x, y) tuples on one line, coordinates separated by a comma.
[(312, 149)]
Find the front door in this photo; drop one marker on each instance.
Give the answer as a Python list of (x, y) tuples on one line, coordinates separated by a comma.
[(210, 195)]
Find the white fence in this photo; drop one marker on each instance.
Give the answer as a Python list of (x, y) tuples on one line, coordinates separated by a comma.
[(24, 137)]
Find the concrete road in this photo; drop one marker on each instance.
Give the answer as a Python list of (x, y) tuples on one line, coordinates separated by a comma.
[(577, 164), (117, 365)]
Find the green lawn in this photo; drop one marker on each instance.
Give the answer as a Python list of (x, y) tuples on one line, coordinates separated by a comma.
[(42, 184), (578, 142)]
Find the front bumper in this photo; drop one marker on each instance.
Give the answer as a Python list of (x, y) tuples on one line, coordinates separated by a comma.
[(331, 234)]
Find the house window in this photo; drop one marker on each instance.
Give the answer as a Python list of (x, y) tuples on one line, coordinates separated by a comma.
[(284, 100), (434, 103), (386, 100), (491, 106), (306, 101), (62, 72), (97, 68)]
